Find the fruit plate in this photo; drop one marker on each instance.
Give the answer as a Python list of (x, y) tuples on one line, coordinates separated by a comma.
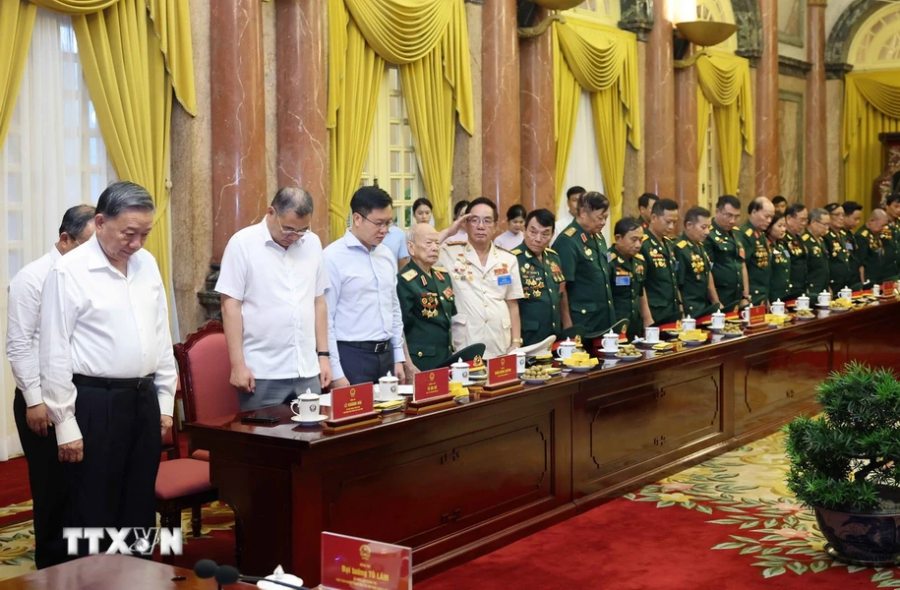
[(534, 381), (629, 357)]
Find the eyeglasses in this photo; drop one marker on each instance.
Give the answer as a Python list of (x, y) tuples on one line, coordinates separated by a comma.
[(485, 221), (289, 231), (379, 224)]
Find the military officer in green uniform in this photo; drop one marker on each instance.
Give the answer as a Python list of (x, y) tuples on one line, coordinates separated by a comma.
[(698, 290), (543, 284), (661, 284), (817, 276), (842, 272), (727, 255), (797, 218), (628, 272), (645, 205), (426, 300), (870, 250), (780, 261), (586, 270), (756, 247), (890, 238)]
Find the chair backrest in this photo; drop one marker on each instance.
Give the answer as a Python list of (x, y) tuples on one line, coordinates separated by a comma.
[(204, 371)]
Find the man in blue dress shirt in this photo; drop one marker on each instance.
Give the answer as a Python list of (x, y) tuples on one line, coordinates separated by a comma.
[(365, 326)]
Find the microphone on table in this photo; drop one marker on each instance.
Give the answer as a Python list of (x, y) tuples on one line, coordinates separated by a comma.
[(227, 574)]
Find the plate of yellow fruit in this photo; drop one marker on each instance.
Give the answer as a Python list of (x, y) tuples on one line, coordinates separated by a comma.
[(693, 337), (840, 305), (580, 362)]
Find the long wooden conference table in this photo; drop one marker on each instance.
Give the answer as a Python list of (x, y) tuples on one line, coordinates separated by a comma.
[(457, 483)]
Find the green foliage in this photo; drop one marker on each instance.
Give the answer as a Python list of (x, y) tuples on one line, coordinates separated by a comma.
[(840, 459)]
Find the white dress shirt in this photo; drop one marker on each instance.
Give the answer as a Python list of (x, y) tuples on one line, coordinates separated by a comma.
[(95, 321), (23, 325), (277, 288), (481, 293), (509, 240), (362, 297)]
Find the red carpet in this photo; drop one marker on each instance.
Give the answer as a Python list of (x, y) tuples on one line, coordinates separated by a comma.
[(625, 545)]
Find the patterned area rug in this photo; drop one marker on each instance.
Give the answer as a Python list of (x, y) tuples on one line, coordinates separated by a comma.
[(17, 539), (744, 492)]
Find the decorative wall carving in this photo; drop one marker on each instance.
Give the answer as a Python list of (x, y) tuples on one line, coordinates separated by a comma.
[(838, 44)]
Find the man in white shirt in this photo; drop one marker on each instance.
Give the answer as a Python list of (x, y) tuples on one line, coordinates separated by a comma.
[(486, 284), (107, 369), (45, 474), (365, 326), (272, 284)]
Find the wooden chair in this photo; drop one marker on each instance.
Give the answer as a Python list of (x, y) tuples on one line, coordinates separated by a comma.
[(182, 483)]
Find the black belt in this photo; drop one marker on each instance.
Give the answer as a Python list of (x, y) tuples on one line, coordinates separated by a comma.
[(114, 382), (369, 345)]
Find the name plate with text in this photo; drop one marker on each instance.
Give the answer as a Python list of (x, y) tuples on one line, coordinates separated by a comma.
[(352, 563), (353, 400), (757, 315), (431, 384), (502, 370), (887, 288)]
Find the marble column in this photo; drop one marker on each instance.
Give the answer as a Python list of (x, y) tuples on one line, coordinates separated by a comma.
[(659, 103), (687, 174), (538, 144), (501, 147), (767, 153), (815, 174), (237, 114), (302, 102)]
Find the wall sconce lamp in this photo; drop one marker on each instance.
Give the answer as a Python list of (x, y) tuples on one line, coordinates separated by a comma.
[(703, 33)]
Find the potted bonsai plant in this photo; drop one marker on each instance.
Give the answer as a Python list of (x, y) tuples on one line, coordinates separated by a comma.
[(845, 464)]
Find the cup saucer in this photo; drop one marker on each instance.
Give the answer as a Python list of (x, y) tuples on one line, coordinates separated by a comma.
[(312, 422)]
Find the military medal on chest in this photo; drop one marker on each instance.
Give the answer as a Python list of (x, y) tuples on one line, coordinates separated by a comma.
[(429, 305)]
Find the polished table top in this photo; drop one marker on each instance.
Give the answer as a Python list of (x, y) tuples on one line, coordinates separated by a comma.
[(112, 572)]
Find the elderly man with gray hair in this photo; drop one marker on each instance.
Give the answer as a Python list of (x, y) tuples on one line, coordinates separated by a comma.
[(272, 283), (817, 272), (107, 368)]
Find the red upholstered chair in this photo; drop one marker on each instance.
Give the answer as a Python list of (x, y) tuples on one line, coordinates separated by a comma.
[(182, 483), (204, 370)]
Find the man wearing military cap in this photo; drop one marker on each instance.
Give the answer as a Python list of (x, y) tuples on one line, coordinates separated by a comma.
[(426, 300), (890, 237), (586, 270), (817, 279), (797, 218), (726, 252), (543, 284), (628, 272), (698, 291), (756, 248), (870, 250), (661, 283)]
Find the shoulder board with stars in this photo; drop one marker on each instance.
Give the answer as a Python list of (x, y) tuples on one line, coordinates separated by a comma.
[(570, 231), (805, 237), (610, 255), (681, 244), (645, 237), (748, 232), (410, 274), (517, 251), (639, 256), (864, 233), (550, 250), (438, 268)]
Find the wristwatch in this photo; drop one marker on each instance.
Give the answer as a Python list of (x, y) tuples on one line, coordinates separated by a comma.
[(323, 353)]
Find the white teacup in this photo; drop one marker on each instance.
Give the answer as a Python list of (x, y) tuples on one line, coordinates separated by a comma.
[(651, 334), (387, 386), (566, 348), (777, 307), (846, 293), (306, 406), (610, 342), (717, 320), (824, 298), (876, 290), (459, 371), (745, 314), (802, 302), (688, 324)]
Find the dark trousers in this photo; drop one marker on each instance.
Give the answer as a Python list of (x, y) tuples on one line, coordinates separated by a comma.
[(362, 364), (48, 490), (115, 484)]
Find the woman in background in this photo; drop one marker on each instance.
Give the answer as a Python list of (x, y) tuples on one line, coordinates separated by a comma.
[(515, 221), (422, 211)]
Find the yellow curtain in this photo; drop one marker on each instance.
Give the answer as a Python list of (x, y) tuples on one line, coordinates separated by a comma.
[(603, 61), (16, 25), (871, 106), (724, 87), (134, 54), (428, 39)]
